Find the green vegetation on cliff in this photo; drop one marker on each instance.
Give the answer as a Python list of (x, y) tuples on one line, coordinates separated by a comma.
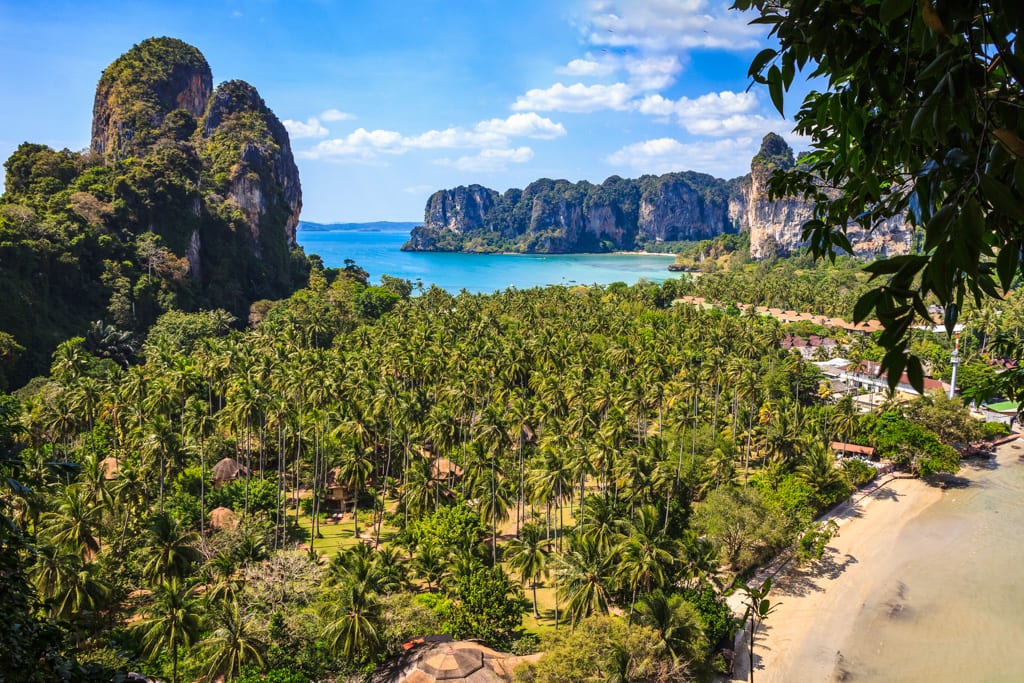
[(557, 216), (178, 205)]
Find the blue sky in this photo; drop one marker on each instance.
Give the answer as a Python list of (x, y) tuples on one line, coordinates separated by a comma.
[(387, 101)]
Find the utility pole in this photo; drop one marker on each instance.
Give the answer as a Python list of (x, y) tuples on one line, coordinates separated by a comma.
[(955, 361)]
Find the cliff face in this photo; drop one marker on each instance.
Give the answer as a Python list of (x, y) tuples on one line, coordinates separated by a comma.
[(671, 209), (189, 199), (231, 206), (140, 88), (557, 216), (776, 227), (249, 153)]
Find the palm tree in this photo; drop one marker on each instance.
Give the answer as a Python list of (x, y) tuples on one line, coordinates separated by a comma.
[(429, 563), (677, 622), (354, 472), (231, 646), (352, 622), (170, 549), (528, 555), (647, 554), (172, 622), (76, 521), (67, 585), (819, 470), (584, 574)]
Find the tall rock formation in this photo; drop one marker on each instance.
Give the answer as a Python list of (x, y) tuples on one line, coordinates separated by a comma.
[(556, 216), (189, 199), (776, 226), (140, 88), (231, 205)]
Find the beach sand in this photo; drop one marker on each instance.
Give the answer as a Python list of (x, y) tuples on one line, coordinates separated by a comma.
[(859, 579)]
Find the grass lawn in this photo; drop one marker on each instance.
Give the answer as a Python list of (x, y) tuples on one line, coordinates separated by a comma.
[(338, 535)]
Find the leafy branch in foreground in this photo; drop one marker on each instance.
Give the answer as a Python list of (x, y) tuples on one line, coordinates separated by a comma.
[(920, 119)]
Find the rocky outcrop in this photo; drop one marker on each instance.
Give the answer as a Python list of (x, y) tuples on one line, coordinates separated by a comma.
[(461, 209), (776, 226), (140, 88), (212, 171), (557, 216), (249, 152), (672, 210)]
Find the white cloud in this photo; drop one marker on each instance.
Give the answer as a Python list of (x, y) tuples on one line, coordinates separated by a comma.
[(332, 115), (493, 137), (588, 67), (529, 125), (727, 157), (666, 25), (490, 160), (359, 145), (653, 73), (310, 129), (575, 98), (717, 114)]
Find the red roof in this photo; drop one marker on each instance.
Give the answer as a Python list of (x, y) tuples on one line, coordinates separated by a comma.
[(853, 448)]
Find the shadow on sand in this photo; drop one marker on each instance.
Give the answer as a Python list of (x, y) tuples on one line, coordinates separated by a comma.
[(801, 580)]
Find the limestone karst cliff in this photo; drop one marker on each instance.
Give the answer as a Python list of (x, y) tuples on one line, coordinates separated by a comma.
[(775, 226), (237, 180), (556, 216), (622, 214), (189, 198)]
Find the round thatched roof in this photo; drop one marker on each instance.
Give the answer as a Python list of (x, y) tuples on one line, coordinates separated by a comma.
[(110, 467), (449, 662), (229, 469), (223, 518)]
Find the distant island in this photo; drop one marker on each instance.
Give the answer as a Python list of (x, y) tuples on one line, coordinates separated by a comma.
[(558, 216), (373, 226)]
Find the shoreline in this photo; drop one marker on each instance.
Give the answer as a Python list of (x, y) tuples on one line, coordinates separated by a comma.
[(819, 603)]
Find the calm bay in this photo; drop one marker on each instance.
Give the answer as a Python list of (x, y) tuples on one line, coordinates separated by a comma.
[(379, 252)]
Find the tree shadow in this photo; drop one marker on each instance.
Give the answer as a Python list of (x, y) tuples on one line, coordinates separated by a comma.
[(981, 463), (802, 580), (948, 481), (887, 494)]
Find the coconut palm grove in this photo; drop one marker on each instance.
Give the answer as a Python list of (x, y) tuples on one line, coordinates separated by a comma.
[(223, 460)]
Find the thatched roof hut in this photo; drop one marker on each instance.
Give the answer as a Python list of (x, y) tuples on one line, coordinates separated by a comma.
[(461, 661), (227, 470), (223, 518), (444, 469)]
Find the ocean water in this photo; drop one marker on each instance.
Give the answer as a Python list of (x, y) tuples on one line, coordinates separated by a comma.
[(953, 607), (379, 253)]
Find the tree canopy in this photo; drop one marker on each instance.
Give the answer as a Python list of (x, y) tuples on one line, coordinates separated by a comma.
[(919, 119)]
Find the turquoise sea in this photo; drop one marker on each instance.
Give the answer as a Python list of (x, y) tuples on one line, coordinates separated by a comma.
[(378, 252)]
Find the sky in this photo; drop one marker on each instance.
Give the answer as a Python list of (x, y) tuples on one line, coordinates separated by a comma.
[(387, 101)]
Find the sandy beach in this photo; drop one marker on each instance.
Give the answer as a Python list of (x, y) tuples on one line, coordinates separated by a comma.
[(860, 580)]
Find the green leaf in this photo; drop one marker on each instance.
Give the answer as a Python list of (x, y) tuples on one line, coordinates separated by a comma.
[(893, 363), (951, 314), (865, 304), (761, 60), (935, 230), (915, 373), (1007, 262), (1001, 197), (775, 88)]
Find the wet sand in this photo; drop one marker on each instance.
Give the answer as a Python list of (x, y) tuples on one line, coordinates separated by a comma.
[(910, 589)]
